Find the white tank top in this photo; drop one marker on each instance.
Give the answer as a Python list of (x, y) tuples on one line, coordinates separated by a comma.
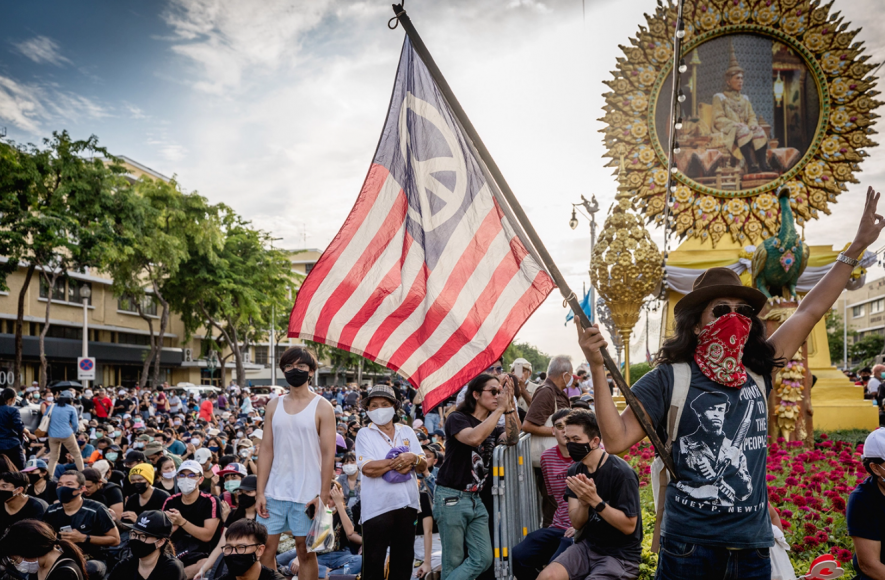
[(295, 472)]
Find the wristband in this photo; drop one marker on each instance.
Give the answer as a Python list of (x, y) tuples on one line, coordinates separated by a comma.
[(846, 260), (88, 539), (509, 412)]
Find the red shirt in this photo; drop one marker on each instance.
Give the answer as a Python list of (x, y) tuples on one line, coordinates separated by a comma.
[(555, 469), (102, 407), (206, 410)]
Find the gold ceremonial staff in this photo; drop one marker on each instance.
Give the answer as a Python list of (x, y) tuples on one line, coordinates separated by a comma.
[(569, 296)]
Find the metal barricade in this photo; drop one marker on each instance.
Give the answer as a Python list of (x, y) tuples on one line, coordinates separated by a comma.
[(517, 511)]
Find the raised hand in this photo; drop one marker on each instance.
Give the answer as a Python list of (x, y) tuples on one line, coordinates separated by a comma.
[(871, 223), (591, 342)]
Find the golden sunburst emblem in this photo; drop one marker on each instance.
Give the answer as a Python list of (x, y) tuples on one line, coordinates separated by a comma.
[(772, 92)]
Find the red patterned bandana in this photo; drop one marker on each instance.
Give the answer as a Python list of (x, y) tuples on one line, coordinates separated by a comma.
[(720, 349)]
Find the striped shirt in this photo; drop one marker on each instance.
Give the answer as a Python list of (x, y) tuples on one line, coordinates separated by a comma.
[(555, 469)]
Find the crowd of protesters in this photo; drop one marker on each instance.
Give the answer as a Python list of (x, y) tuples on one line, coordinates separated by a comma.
[(119, 483)]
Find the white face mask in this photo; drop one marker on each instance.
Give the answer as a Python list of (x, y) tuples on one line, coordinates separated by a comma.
[(88, 393), (50, 399), (349, 469), (195, 442), (28, 567), (571, 380), (168, 475), (381, 416), (187, 485)]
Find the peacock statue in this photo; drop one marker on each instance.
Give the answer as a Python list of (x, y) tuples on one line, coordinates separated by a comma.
[(780, 260)]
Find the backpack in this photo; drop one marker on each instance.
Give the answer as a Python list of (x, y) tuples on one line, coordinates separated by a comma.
[(660, 477)]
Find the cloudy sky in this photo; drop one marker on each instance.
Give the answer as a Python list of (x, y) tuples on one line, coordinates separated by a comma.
[(274, 106)]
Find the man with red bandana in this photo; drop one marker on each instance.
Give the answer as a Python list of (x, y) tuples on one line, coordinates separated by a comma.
[(718, 366)]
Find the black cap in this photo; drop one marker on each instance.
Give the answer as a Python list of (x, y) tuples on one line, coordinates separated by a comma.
[(153, 523), (249, 483), (136, 456)]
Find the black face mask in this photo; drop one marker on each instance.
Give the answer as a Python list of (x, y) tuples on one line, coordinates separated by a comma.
[(578, 451), (141, 549), (245, 501), (34, 477), (239, 564), (6, 495), (140, 487), (66, 494), (297, 377)]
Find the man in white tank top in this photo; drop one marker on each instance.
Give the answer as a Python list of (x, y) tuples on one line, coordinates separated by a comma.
[(296, 461)]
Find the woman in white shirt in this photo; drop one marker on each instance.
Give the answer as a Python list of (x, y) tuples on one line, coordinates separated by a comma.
[(388, 510)]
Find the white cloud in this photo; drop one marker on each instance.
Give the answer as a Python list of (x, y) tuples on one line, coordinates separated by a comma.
[(225, 38), (29, 106), (42, 49), (135, 112), (20, 104)]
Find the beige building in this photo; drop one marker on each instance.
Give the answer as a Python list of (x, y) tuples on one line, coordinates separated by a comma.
[(118, 337), (863, 310)]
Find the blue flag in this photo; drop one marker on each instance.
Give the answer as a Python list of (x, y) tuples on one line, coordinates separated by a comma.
[(586, 306)]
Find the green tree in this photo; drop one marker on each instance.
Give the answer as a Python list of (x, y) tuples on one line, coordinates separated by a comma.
[(835, 330), (529, 352), (157, 229), (866, 349), (61, 214), (343, 361), (232, 290)]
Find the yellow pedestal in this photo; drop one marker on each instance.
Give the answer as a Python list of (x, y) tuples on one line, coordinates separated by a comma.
[(836, 402)]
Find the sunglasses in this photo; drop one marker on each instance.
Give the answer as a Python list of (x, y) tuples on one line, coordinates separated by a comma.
[(743, 309), (493, 391), (560, 426), (495, 369)]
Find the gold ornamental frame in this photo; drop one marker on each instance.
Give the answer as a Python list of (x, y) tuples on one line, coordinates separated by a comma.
[(845, 122)]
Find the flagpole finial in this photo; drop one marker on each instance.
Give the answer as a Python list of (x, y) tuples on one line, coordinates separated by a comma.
[(398, 11)]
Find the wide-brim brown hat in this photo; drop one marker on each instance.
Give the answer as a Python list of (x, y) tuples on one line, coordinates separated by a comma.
[(718, 283), (384, 391)]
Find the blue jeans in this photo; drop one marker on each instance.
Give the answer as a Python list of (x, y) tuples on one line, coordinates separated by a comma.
[(431, 421), (681, 561), (342, 562), (463, 523), (537, 550)]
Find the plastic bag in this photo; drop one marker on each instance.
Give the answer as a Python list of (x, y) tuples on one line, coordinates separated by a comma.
[(781, 568), (321, 536)]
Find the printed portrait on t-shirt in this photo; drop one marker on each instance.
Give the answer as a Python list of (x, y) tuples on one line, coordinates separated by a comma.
[(710, 459), (479, 462)]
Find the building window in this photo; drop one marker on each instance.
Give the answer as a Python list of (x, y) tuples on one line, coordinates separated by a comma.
[(74, 287), (308, 268), (128, 304), (857, 311), (131, 338), (877, 306), (58, 291), (261, 355)]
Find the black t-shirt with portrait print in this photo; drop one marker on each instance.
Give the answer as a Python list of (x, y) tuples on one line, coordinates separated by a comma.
[(33, 509), (466, 468), (618, 486), (720, 452), (156, 501)]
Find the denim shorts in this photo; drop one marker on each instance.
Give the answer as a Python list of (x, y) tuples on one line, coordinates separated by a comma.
[(286, 516)]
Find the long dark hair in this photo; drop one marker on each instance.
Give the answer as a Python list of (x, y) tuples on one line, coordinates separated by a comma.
[(468, 406), (32, 539), (759, 355)]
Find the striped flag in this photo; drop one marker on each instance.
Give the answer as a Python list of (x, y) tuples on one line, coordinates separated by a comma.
[(430, 275)]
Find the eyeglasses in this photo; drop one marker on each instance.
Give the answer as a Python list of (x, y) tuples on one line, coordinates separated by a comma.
[(189, 476), (495, 369), (133, 535), (743, 309), (228, 550), (494, 391), (289, 367), (560, 426)]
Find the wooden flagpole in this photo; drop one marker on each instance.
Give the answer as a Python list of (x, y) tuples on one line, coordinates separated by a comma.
[(549, 264)]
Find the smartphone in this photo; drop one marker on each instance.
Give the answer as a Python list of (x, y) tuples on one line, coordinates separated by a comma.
[(517, 370), (311, 510), (65, 529)]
